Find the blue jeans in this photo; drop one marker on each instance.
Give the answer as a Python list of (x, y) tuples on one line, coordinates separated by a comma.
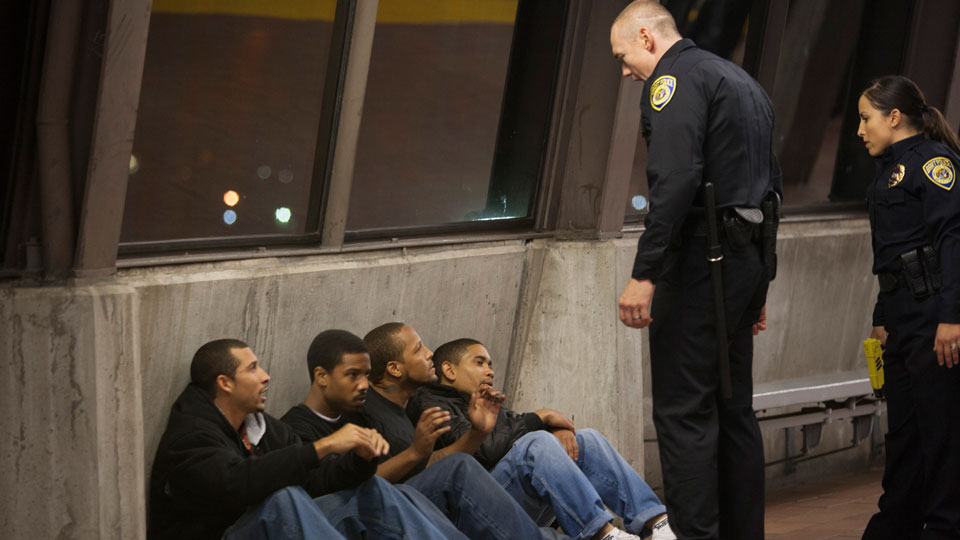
[(288, 514), (387, 513), (540, 475), (378, 509), (475, 502)]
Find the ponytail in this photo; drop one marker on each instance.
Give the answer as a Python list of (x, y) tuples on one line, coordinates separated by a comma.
[(935, 128), (898, 92)]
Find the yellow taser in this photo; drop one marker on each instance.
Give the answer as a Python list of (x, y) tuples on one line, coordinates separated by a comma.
[(874, 353)]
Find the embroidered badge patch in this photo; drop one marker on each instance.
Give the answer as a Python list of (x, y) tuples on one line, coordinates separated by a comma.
[(661, 91), (940, 171), (896, 176)]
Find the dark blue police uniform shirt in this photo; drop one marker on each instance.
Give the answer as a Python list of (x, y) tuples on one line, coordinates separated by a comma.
[(914, 201), (704, 119)]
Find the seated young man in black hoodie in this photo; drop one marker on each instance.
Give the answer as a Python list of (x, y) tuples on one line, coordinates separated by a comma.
[(224, 468), (551, 468), (339, 364)]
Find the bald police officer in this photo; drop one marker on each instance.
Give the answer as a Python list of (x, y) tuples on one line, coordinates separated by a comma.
[(704, 120)]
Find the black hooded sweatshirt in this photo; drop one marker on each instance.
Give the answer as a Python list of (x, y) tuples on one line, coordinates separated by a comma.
[(203, 477)]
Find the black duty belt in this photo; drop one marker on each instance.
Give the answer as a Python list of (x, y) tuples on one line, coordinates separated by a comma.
[(738, 231), (920, 273)]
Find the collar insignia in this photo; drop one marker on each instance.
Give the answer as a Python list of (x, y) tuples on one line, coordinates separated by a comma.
[(940, 171), (896, 176), (661, 91)]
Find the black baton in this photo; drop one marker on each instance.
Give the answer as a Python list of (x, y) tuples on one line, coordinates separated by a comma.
[(714, 258)]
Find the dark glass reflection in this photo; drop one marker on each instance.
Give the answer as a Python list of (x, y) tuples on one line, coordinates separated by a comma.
[(230, 101), (431, 115)]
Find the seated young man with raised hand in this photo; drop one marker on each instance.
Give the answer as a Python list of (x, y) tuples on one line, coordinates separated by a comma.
[(224, 468), (339, 364), (548, 466)]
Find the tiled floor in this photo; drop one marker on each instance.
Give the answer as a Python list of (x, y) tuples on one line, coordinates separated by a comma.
[(838, 508)]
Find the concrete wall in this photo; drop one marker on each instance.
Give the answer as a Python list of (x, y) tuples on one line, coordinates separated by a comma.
[(71, 465), (92, 370)]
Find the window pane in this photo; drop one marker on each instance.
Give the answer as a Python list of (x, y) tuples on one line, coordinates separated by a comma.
[(228, 119), (432, 113), (828, 53)]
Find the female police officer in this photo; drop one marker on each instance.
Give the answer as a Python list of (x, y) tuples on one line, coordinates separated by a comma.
[(915, 221)]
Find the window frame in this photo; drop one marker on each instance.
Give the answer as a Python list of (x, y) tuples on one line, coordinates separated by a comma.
[(332, 178)]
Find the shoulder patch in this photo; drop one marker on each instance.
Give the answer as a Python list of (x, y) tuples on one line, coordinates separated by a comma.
[(661, 91), (940, 171), (897, 175)]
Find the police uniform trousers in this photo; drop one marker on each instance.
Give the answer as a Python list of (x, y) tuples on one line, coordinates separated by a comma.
[(711, 450), (921, 479)]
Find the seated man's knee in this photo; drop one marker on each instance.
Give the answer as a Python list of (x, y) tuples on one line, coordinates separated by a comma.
[(593, 443), (287, 495), (460, 463), (591, 437), (537, 442), (376, 485), (461, 468)]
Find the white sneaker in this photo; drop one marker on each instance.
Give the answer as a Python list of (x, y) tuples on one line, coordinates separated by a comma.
[(662, 531), (617, 534)]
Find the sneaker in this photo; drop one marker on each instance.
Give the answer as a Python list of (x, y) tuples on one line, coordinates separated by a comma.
[(617, 534), (662, 531)]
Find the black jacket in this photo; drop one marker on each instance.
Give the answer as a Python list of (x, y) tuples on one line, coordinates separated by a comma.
[(340, 471), (912, 204), (704, 120), (203, 477), (510, 425)]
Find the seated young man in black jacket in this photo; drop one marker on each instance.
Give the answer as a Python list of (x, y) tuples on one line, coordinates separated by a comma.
[(548, 466), (339, 364), (224, 468)]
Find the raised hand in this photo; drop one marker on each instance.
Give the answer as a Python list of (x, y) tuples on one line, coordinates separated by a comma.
[(484, 407), (429, 428)]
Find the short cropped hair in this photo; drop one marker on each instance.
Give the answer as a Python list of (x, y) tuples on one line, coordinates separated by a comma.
[(384, 345), (212, 360), (328, 348), (647, 13), (453, 352)]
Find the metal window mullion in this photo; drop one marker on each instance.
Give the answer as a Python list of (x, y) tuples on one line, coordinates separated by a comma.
[(116, 117), (360, 39), (567, 82), (623, 146)]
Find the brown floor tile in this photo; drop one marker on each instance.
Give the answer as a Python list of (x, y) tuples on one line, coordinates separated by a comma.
[(834, 509)]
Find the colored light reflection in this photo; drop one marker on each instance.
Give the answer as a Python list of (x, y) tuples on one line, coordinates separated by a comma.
[(229, 217), (231, 198), (639, 202), (283, 214)]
